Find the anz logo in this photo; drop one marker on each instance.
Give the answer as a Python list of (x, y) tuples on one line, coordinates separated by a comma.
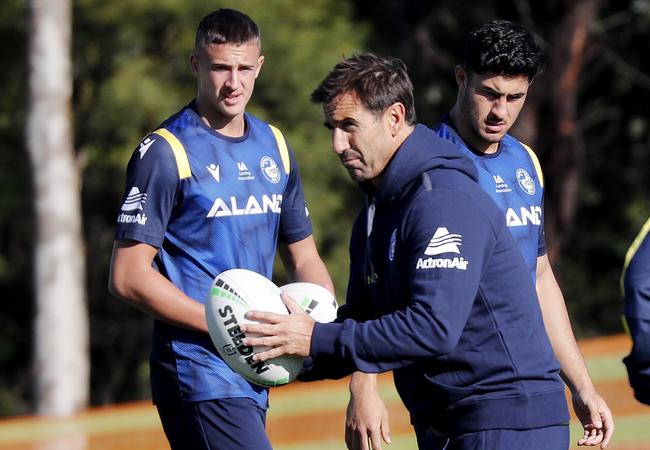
[(531, 215), (253, 205)]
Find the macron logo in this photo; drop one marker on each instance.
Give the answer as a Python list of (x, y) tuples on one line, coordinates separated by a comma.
[(214, 170), (144, 146), (443, 241), (134, 200)]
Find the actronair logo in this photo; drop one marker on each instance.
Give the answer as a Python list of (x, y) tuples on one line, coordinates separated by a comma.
[(441, 242), (134, 200), (252, 206)]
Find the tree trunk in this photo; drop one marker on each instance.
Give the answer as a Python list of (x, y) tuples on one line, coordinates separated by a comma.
[(61, 355), (549, 120)]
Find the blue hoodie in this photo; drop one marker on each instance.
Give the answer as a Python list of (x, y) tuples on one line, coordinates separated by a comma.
[(440, 294), (636, 289)]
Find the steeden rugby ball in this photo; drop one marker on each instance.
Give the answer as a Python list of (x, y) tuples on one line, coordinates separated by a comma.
[(232, 294)]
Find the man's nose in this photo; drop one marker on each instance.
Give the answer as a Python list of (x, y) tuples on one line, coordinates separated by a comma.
[(499, 107), (233, 79), (339, 141)]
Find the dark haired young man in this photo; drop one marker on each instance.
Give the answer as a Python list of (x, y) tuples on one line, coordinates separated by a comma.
[(500, 61), (438, 292), (212, 189)]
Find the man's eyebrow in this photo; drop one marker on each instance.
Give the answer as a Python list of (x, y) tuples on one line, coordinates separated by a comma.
[(490, 90)]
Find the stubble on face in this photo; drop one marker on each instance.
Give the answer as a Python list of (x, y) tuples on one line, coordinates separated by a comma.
[(359, 137)]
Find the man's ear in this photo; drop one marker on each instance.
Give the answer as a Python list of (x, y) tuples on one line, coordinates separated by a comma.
[(395, 114), (260, 61), (194, 63), (461, 77)]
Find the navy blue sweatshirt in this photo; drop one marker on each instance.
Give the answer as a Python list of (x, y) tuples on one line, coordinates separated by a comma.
[(440, 294), (636, 288)]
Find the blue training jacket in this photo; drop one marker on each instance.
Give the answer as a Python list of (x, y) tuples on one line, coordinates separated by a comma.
[(636, 289), (440, 293)]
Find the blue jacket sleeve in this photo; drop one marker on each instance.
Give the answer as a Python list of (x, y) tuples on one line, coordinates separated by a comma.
[(636, 284), (638, 361), (443, 285)]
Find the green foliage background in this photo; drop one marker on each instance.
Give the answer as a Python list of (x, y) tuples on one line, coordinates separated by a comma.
[(131, 71)]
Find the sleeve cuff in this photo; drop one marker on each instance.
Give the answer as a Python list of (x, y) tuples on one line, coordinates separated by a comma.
[(323, 339)]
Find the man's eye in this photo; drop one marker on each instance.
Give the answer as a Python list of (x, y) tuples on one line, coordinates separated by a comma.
[(491, 95)]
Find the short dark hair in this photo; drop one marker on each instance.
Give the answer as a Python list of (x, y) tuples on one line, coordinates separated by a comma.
[(377, 82), (505, 48), (226, 26)]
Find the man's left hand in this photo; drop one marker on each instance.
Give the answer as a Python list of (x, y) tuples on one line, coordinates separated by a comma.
[(595, 417), (284, 334)]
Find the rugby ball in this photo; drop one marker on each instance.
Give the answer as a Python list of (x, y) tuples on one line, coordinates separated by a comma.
[(316, 300), (232, 294)]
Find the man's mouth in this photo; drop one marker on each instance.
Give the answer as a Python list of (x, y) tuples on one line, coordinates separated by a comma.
[(348, 160), (494, 127), (231, 99)]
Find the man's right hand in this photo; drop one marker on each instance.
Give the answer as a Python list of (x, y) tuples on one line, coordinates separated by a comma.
[(366, 421)]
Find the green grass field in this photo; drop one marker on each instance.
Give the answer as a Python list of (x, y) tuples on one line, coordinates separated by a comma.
[(310, 416)]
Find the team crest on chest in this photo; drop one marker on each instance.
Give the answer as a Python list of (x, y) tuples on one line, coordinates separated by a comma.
[(525, 181), (270, 169), (391, 246)]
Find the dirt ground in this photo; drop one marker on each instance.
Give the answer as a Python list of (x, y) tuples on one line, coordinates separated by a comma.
[(285, 429)]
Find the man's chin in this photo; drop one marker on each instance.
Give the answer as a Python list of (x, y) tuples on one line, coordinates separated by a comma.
[(356, 175), (232, 109), (493, 138)]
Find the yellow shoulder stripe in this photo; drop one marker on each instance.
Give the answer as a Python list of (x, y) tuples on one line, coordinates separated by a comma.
[(645, 229), (182, 162), (538, 167), (635, 246), (282, 146)]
